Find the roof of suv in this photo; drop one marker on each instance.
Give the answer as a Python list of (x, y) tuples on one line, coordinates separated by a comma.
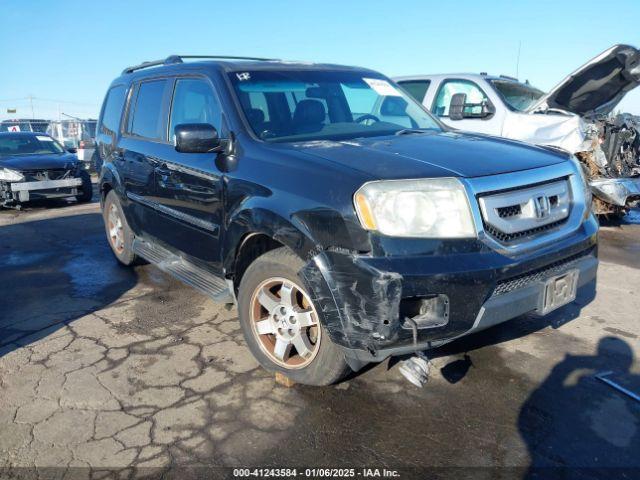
[(229, 63)]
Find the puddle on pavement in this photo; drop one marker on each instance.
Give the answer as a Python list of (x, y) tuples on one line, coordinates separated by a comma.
[(21, 259), (92, 267)]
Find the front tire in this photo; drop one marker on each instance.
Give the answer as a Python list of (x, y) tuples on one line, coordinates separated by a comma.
[(282, 327), (119, 234)]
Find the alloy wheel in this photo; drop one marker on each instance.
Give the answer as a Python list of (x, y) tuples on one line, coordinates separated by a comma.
[(285, 323), (116, 232)]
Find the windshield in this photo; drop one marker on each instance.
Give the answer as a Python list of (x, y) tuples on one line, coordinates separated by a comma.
[(287, 106), (28, 145), (518, 96)]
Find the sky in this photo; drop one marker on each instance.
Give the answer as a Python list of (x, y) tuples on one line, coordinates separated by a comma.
[(64, 54)]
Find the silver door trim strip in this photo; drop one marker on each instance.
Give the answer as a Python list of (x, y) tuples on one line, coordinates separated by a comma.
[(185, 217), (188, 170)]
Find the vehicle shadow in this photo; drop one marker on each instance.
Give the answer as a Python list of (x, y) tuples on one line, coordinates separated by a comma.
[(576, 426), (50, 277)]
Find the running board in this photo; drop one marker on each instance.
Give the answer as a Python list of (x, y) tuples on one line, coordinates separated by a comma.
[(203, 281)]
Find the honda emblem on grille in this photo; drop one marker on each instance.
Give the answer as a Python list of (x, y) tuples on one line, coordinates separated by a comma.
[(542, 206)]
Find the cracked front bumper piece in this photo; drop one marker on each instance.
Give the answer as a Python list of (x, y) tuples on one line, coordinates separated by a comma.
[(25, 191), (617, 191), (373, 306)]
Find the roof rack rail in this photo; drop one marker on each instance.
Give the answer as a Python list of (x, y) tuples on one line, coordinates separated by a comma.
[(509, 77), (172, 59)]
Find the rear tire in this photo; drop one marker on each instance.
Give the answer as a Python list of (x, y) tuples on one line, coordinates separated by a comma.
[(290, 323), (119, 234), (87, 188)]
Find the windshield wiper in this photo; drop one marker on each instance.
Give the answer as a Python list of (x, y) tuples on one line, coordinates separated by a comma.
[(412, 131)]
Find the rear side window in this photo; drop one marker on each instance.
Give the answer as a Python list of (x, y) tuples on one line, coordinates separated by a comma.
[(112, 111), (194, 102), (416, 88), (148, 119)]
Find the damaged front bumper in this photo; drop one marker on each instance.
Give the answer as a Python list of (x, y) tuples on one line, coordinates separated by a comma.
[(366, 300), (19, 192), (617, 191)]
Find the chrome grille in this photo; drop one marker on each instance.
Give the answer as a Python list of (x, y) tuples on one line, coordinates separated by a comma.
[(513, 215)]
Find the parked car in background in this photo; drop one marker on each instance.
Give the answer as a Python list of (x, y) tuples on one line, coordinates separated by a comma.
[(345, 222), (24, 125), (78, 134), (34, 166), (574, 116)]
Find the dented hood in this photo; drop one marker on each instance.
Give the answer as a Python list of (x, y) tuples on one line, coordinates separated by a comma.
[(598, 86), (433, 154)]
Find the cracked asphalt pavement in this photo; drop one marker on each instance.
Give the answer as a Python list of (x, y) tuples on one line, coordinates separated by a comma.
[(114, 368)]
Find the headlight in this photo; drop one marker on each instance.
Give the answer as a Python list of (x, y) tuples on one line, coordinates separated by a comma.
[(10, 175), (582, 171), (425, 208)]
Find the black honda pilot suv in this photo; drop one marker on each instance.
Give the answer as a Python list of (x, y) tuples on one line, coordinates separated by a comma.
[(344, 221)]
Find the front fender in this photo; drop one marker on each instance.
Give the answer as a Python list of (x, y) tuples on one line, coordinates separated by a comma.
[(259, 220), (110, 177)]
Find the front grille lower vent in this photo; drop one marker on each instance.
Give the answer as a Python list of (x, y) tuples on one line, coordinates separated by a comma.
[(520, 281)]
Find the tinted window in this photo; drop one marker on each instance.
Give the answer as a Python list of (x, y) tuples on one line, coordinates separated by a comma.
[(112, 111), (301, 105), (194, 102), (475, 96), (416, 88), (147, 116)]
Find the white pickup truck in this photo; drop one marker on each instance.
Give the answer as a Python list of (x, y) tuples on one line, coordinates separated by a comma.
[(574, 116)]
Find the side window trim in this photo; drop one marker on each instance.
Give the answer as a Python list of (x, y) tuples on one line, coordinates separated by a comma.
[(132, 105), (195, 76), (449, 80)]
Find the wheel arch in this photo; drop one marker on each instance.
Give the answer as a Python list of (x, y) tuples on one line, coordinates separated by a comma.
[(256, 231)]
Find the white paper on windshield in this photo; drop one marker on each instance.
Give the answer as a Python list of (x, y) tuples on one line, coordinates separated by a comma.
[(42, 138), (382, 87)]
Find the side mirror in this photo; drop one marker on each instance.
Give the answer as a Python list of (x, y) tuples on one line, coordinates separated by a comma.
[(72, 150), (459, 108), (197, 138), (456, 107)]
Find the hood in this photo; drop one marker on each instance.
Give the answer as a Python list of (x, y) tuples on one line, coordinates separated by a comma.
[(598, 86), (432, 154), (38, 162)]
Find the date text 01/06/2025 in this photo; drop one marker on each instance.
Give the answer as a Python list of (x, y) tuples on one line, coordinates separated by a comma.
[(315, 473)]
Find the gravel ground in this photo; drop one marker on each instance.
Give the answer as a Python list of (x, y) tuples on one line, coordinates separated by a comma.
[(115, 368)]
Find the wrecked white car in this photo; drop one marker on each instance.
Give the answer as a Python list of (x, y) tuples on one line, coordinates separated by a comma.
[(575, 116)]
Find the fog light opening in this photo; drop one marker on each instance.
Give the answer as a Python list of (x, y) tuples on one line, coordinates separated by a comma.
[(426, 312)]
